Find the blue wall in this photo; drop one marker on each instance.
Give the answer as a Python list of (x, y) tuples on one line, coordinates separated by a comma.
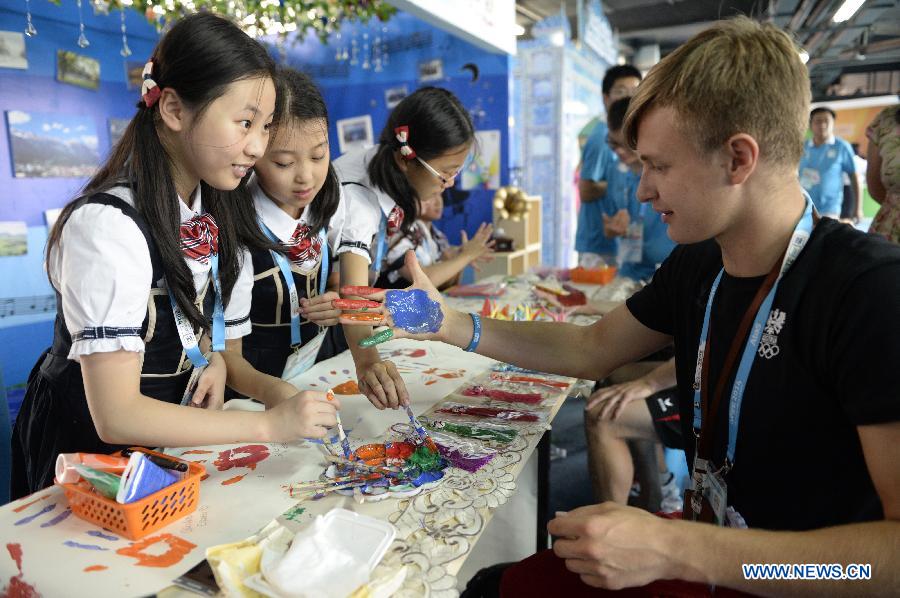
[(23, 337), (351, 91)]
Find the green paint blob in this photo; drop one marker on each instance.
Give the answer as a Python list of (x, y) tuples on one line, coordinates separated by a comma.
[(377, 338), (501, 435), (426, 460), (293, 514)]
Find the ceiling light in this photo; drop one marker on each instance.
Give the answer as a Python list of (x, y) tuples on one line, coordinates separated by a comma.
[(518, 30), (804, 56), (847, 10)]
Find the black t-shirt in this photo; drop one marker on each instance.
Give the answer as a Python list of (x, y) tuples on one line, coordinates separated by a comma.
[(798, 460)]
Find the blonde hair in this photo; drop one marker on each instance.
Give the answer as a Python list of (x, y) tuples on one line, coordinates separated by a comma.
[(738, 76)]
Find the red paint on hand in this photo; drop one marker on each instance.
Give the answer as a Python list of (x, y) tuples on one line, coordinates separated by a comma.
[(359, 291)]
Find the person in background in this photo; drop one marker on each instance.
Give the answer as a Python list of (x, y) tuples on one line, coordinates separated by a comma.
[(426, 142), (641, 409), (593, 248), (442, 262), (850, 211), (643, 241), (883, 172), (825, 159)]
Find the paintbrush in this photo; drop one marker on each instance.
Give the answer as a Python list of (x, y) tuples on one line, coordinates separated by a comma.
[(337, 481), (304, 494), (345, 442), (387, 471), (426, 439)]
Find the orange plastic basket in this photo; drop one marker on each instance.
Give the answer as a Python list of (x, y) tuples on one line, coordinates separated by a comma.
[(138, 519), (593, 275)]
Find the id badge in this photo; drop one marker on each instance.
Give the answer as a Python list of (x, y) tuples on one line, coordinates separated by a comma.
[(632, 244), (715, 492), (303, 358), (809, 177)]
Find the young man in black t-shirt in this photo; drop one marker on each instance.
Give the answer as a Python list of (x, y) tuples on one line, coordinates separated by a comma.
[(719, 126)]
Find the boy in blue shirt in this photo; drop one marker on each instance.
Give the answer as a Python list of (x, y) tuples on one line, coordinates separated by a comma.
[(596, 161), (825, 160), (644, 243)]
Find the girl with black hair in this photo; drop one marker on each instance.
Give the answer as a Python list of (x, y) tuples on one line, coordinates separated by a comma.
[(147, 256), (424, 145), (295, 192)]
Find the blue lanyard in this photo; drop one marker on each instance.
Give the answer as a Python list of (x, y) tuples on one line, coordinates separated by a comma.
[(285, 268), (186, 330), (798, 241), (380, 244)]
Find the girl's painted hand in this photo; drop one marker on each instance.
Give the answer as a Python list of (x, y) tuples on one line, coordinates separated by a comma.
[(308, 414), (450, 321), (319, 309), (210, 391), (381, 383)]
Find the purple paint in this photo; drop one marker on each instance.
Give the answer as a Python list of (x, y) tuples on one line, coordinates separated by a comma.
[(31, 518), (99, 534), (73, 544), (61, 517), (346, 371), (323, 378)]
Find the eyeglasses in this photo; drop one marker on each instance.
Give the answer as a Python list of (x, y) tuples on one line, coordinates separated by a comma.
[(445, 181)]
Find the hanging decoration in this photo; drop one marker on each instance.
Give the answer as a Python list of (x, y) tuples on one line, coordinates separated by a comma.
[(30, 31), (263, 17), (82, 38), (125, 51)]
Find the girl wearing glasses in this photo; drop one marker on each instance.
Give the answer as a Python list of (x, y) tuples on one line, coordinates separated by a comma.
[(423, 147)]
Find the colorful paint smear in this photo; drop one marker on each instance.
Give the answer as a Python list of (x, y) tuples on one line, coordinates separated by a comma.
[(95, 568), (350, 387), (59, 518), (233, 480), (31, 518), (99, 534), (196, 452), (252, 454), (294, 513), (21, 508), (178, 549), (74, 544)]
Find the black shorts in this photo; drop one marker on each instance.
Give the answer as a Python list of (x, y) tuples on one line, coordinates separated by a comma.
[(663, 408)]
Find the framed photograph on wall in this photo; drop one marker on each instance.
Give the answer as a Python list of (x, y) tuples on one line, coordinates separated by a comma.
[(12, 50), (355, 132), (52, 145), (134, 74), (432, 70), (13, 238), (77, 69), (394, 95)]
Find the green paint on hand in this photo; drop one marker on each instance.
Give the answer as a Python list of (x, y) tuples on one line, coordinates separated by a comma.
[(377, 338)]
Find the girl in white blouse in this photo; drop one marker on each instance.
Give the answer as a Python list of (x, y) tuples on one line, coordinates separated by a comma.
[(423, 147), (295, 192), (146, 256)]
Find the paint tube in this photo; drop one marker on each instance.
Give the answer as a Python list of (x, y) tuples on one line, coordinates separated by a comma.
[(142, 478), (105, 483), (66, 473)]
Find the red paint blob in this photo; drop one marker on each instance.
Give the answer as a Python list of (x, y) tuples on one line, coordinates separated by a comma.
[(252, 454)]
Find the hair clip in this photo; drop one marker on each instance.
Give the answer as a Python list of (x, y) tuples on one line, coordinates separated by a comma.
[(402, 134), (150, 91)]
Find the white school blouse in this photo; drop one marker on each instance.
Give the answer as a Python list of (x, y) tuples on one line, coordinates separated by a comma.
[(102, 270), (366, 205)]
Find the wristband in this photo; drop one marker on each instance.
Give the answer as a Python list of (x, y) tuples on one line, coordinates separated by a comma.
[(476, 332)]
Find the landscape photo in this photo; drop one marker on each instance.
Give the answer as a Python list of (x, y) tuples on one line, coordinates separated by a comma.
[(52, 145), (77, 69), (12, 50), (13, 238)]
